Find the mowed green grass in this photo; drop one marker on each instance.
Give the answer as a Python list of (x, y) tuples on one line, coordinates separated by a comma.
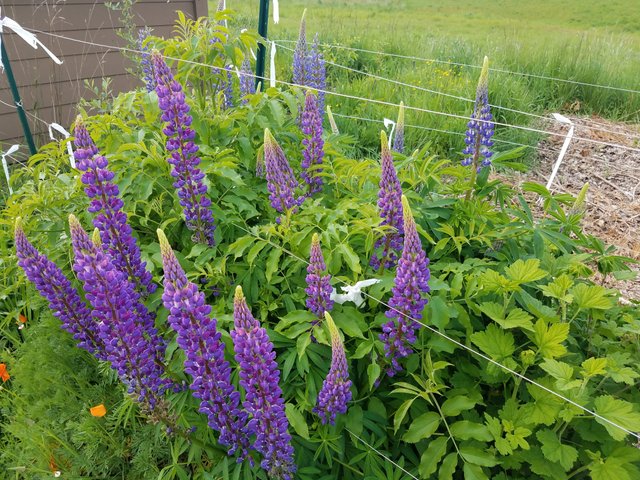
[(580, 40)]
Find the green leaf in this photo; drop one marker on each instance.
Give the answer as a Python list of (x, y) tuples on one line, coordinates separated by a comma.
[(255, 250), (438, 312), (619, 412), (477, 456), (555, 451), (591, 296), (549, 338), (562, 372), (517, 318), (354, 419), (558, 288), (610, 469), (466, 430), (350, 257), (272, 263), (525, 271), (296, 419), (474, 472), (594, 366), (431, 456), (422, 427), (495, 342), (453, 406), (448, 467), (350, 321), (373, 372), (401, 413)]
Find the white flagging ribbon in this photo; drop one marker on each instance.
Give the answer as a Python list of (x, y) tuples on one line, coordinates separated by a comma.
[(59, 128), (12, 149), (272, 66), (28, 37), (565, 146), (276, 11), (353, 293), (388, 122)]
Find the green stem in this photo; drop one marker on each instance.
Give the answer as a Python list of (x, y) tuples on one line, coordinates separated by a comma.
[(455, 445)]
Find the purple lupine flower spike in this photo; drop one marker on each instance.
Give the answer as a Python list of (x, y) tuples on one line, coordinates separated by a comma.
[(192, 192), (132, 344), (317, 75), (198, 337), (116, 234), (225, 86), (390, 205), (398, 139), (313, 153), (64, 300), (281, 182), (319, 285), (480, 126), (300, 69), (145, 60), (336, 388), (259, 376), (247, 81), (407, 302)]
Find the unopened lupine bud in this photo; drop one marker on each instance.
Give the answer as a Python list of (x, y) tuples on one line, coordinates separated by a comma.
[(318, 284), (398, 139), (313, 152)]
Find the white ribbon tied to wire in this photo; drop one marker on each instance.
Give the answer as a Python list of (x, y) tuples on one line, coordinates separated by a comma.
[(565, 146), (387, 122), (28, 37), (353, 293), (272, 66), (12, 149), (276, 11), (59, 128)]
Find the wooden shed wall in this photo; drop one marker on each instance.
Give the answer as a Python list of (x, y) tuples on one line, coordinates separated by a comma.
[(50, 91)]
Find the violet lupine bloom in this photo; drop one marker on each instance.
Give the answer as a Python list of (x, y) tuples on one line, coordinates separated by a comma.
[(319, 285), (132, 344), (300, 54), (145, 60), (313, 153), (390, 205), (247, 81), (407, 302), (281, 181), (335, 393), (115, 232), (480, 127), (317, 74), (192, 192), (198, 337), (398, 139), (225, 85), (64, 300), (259, 376)]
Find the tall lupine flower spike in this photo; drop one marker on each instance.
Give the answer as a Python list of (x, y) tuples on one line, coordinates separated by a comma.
[(319, 285), (192, 192), (313, 153), (247, 81), (281, 182), (317, 75), (398, 139), (480, 127), (335, 393), (115, 232), (300, 68), (145, 60), (199, 339), (407, 302), (259, 376), (225, 86), (132, 344), (390, 205), (55, 287)]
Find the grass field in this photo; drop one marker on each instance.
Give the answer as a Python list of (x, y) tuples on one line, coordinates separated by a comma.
[(582, 40)]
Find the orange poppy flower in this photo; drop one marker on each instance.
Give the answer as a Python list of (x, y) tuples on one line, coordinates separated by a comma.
[(3, 372), (98, 410), (22, 318)]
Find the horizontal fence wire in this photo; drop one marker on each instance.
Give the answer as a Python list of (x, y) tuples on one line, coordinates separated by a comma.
[(342, 95)]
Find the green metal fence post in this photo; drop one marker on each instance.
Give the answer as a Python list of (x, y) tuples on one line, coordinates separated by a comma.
[(263, 23), (16, 98)]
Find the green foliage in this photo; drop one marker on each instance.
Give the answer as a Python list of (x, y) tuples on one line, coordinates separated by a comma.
[(508, 289)]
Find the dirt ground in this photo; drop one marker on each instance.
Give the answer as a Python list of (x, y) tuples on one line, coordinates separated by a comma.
[(613, 173)]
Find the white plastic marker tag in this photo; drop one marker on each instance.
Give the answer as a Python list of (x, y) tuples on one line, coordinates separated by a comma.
[(276, 11), (12, 149), (353, 293), (61, 129), (272, 66), (28, 37), (565, 146), (388, 122)]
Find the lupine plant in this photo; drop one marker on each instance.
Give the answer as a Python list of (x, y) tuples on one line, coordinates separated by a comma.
[(146, 65), (318, 283), (313, 152), (398, 138)]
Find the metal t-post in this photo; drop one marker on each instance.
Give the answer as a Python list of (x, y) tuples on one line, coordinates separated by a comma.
[(263, 23), (16, 98)]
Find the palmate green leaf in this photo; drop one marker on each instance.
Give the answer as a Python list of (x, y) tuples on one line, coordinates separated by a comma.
[(594, 366), (555, 451), (422, 427), (525, 271), (558, 288), (431, 456), (516, 318), (619, 412), (562, 372), (549, 338), (495, 342), (591, 296), (545, 407)]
